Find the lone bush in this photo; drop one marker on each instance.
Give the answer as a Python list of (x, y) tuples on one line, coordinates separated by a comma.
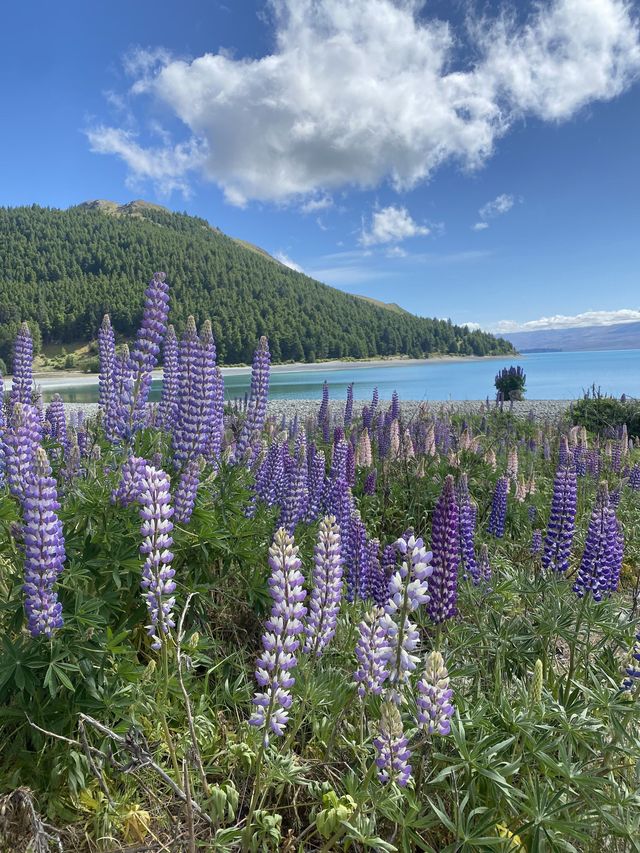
[(510, 383)]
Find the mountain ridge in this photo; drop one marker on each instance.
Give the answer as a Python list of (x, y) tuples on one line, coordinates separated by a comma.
[(579, 338)]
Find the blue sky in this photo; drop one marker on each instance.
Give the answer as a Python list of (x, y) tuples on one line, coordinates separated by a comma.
[(479, 163)]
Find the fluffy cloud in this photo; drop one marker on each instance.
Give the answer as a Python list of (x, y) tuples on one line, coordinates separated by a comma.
[(562, 321), (391, 225), (367, 91), (286, 260)]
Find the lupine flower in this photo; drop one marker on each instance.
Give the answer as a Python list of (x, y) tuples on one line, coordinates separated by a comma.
[(443, 586), (600, 551), (157, 575), (22, 382), (536, 542), (408, 451), (117, 418), (484, 567), (490, 459), (323, 411), (499, 508), (391, 746), (146, 348), (364, 457), (466, 532), (356, 559), (371, 647), (326, 594), (217, 417), (57, 420), (532, 512), (44, 553), (280, 640), (296, 502), (258, 397), (369, 487), (348, 409), (632, 670), (561, 527), (512, 464), (434, 696), (634, 478), (185, 497), (21, 440), (107, 358), (131, 475), (169, 400), (378, 580), (72, 462), (315, 482), (408, 590), (395, 406)]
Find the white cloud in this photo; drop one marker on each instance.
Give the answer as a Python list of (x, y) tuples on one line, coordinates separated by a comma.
[(480, 226), (396, 252), (471, 326), (313, 205), (563, 321), (286, 260), (391, 225), (501, 204), (362, 92)]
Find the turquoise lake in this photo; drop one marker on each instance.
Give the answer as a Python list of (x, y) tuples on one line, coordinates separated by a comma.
[(550, 376)]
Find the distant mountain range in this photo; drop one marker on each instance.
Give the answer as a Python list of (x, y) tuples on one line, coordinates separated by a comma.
[(618, 336)]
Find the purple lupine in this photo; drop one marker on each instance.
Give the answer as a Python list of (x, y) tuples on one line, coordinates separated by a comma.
[(367, 417), (370, 483), (258, 397), (408, 590), (466, 531), (434, 696), (532, 513), (296, 502), (395, 406), (536, 542), (597, 564), (169, 400), (146, 348), (562, 519), (280, 639), (618, 555), (374, 403), (315, 481), (107, 359), (350, 464), (443, 586), (21, 440), (348, 408), (326, 594), (157, 574), (72, 468), (484, 567), (44, 553), (356, 559), (196, 393), (185, 497), (216, 434), (323, 411), (57, 420), (22, 382), (634, 478), (370, 650), (131, 474), (499, 508), (378, 580), (117, 418), (391, 747)]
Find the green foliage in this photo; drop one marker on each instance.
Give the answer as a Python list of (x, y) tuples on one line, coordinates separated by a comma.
[(510, 383), (603, 414), (65, 269)]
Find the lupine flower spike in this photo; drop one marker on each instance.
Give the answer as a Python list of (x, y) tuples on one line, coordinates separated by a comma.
[(434, 696), (326, 594), (391, 746)]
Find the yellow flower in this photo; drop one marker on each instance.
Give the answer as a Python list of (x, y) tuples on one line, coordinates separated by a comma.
[(514, 844), (135, 824)]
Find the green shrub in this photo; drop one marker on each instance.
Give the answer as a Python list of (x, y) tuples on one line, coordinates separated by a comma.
[(510, 383), (603, 414)]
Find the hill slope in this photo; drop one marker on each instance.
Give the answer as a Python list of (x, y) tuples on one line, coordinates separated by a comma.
[(63, 269), (617, 336)]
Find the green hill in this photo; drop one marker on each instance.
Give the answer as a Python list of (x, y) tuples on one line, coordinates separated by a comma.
[(63, 269)]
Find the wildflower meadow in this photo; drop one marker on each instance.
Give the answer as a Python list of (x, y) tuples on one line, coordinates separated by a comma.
[(356, 631)]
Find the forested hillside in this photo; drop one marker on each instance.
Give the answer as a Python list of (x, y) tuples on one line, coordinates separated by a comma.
[(63, 269)]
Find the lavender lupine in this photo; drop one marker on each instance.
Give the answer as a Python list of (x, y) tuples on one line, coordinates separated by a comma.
[(395, 406), (315, 482), (107, 358), (296, 502), (258, 397), (499, 508), (117, 417), (634, 478), (356, 559), (323, 411), (157, 581), (600, 552), (466, 531), (131, 474), (280, 640), (370, 651), (185, 497), (216, 434), (391, 747), (443, 585), (44, 552), (326, 594), (169, 400), (146, 348), (55, 415), (370, 482), (536, 542), (348, 409), (22, 438), (562, 518), (22, 382), (408, 590), (434, 696), (378, 579), (196, 360)]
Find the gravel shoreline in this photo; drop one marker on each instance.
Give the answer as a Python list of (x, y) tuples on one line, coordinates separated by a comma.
[(543, 410)]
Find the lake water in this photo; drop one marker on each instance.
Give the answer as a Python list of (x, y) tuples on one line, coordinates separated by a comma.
[(550, 376)]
